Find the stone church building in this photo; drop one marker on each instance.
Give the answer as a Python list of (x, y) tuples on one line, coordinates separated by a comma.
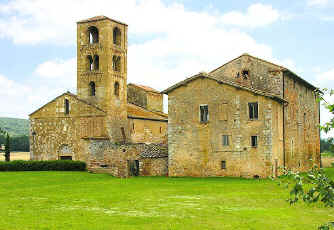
[(245, 118), (113, 126)]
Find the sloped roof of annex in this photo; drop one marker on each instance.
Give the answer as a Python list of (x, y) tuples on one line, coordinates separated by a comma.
[(222, 81), (93, 110)]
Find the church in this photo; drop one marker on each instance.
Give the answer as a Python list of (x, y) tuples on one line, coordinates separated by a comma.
[(247, 118)]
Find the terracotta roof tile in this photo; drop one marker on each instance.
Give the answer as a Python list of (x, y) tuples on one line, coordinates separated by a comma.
[(146, 88)]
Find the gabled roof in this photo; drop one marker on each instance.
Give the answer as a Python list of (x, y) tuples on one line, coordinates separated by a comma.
[(99, 18), (71, 95), (222, 81), (146, 88), (138, 112), (281, 68)]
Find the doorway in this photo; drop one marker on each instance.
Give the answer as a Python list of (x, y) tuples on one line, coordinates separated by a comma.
[(133, 166)]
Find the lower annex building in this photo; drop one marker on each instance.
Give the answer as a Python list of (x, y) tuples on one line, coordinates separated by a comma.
[(246, 118)]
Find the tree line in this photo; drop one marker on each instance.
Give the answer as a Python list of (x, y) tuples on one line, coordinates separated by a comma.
[(17, 143)]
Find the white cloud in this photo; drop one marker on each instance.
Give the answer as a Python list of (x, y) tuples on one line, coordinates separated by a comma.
[(181, 42), (257, 15), (317, 3)]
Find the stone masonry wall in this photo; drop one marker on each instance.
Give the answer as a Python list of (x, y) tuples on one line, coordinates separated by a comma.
[(263, 75), (115, 157), (196, 149), (301, 118)]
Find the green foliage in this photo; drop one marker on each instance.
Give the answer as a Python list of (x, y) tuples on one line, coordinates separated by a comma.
[(7, 148), (312, 187), (327, 145), (15, 126), (53, 165), (18, 143)]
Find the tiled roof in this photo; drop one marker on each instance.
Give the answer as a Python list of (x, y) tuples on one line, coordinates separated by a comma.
[(222, 81), (146, 88), (139, 112), (154, 151), (99, 18)]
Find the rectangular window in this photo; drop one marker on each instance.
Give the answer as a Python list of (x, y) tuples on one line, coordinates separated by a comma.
[(225, 140), (204, 113), (67, 106), (253, 110), (223, 164), (254, 141)]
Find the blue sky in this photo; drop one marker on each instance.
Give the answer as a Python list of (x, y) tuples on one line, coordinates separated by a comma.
[(168, 41)]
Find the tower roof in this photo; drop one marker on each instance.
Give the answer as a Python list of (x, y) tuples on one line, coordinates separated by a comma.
[(99, 18)]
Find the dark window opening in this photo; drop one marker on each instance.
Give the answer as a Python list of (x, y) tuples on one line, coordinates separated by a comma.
[(133, 166), (253, 110), (237, 75), (294, 84), (90, 63), (223, 164), (123, 134), (204, 113), (225, 140), (245, 74), (96, 62), (93, 35), (117, 36), (254, 141), (116, 89), (160, 129), (256, 177), (116, 63), (133, 126), (67, 106), (66, 158), (92, 88)]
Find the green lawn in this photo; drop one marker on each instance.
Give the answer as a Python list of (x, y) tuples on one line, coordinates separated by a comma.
[(80, 200)]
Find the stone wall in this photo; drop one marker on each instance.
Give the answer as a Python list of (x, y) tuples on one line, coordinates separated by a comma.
[(148, 131), (301, 124), (196, 149), (262, 75), (115, 158)]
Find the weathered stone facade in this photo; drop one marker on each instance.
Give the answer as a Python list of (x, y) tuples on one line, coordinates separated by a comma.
[(287, 117), (70, 126)]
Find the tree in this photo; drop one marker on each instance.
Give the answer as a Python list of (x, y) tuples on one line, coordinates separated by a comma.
[(7, 148)]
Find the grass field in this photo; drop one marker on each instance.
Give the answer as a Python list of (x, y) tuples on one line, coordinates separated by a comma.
[(80, 200)]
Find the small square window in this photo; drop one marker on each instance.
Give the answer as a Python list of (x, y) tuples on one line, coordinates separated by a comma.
[(223, 164), (245, 74), (226, 141), (254, 141)]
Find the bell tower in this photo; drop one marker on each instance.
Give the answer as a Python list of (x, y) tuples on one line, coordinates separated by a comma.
[(102, 70)]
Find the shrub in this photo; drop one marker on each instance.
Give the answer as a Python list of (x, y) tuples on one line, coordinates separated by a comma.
[(332, 164), (54, 165)]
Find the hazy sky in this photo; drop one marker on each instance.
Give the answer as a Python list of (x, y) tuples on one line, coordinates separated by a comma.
[(168, 41)]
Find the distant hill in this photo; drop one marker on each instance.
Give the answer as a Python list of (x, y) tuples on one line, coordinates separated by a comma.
[(15, 126)]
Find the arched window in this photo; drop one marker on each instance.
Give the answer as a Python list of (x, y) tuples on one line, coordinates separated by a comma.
[(116, 89), (67, 106), (92, 88), (96, 62), (93, 34), (90, 63), (117, 36), (116, 63)]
